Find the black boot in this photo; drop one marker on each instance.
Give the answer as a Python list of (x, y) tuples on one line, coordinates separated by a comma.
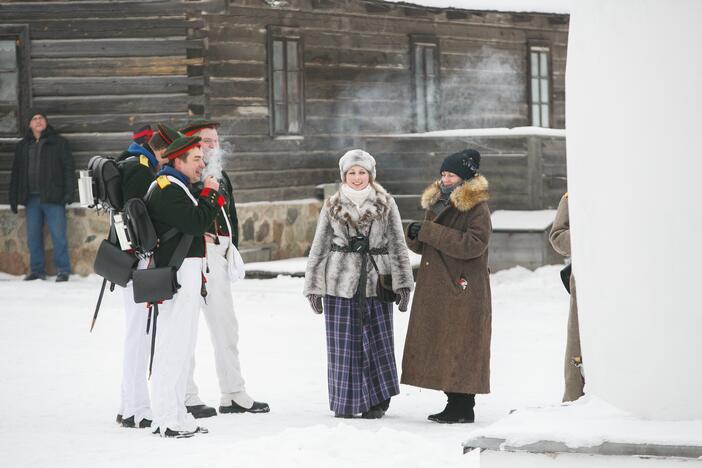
[(201, 411), (377, 411), (459, 409), (257, 407)]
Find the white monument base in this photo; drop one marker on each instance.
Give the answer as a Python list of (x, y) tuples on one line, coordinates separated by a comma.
[(588, 432)]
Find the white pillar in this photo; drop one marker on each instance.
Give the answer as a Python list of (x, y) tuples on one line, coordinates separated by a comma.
[(634, 126)]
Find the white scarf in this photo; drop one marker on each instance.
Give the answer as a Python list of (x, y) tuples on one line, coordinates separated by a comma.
[(357, 197)]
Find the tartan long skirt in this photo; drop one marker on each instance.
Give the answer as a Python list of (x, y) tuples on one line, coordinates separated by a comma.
[(360, 358)]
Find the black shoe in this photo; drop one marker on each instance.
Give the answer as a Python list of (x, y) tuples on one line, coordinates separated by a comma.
[(383, 405), (175, 434), (372, 413), (343, 416), (119, 419), (61, 277), (257, 407), (34, 276), (201, 411), (128, 422)]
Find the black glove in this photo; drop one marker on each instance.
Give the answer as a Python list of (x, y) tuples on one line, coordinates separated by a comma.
[(413, 230), (403, 295), (315, 303)]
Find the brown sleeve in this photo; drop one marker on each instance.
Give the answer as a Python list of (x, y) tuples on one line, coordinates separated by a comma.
[(463, 245), (560, 230)]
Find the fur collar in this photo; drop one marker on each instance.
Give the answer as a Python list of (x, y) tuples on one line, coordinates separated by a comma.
[(463, 198), (374, 207)]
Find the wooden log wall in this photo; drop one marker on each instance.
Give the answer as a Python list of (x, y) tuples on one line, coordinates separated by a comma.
[(408, 165), (357, 81), (100, 67)]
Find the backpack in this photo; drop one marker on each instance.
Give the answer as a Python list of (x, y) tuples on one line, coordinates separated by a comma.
[(140, 230), (107, 183)]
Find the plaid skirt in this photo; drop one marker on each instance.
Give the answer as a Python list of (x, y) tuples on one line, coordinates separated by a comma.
[(360, 357)]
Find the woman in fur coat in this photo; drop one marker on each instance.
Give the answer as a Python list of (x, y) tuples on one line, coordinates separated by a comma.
[(448, 337), (341, 280)]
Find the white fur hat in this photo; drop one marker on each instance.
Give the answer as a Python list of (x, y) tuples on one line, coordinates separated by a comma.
[(356, 157)]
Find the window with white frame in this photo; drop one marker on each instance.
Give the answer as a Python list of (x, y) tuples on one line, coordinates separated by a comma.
[(286, 87), (14, 78), (540, 86), (425, 81)]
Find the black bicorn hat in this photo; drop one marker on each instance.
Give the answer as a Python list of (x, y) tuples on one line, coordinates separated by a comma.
[(164, 136), (464, 164)]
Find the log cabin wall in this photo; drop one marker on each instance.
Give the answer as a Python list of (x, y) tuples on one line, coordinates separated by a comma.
[(359, 74), (100, 67)]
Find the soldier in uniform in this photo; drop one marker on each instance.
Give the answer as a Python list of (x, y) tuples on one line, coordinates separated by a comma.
[(172, 205), (138, 166), (222, 239)]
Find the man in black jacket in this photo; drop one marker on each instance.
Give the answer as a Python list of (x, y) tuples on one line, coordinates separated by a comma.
[(43, 180)]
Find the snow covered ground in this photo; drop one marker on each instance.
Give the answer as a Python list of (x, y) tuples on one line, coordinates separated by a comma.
[(59, 384)]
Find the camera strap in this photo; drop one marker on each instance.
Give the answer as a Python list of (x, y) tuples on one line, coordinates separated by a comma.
[(359, 299)]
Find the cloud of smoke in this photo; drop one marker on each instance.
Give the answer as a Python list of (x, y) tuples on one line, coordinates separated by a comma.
[(214, 160), (487, 89)]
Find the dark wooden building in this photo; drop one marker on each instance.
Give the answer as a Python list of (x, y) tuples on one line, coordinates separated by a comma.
[(294, 82)]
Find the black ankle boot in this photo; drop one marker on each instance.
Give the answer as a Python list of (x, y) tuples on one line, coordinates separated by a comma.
[(459, 409)]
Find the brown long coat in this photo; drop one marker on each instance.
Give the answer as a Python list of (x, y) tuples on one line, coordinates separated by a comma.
[(448, 339), (560, 240)]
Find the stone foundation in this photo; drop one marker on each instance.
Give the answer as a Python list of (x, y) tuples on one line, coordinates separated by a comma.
[(283, 229)]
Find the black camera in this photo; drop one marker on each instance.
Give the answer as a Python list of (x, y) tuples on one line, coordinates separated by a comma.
[(359, 243)]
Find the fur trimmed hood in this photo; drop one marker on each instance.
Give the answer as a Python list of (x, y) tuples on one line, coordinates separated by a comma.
[(463, 198), (376, 206)]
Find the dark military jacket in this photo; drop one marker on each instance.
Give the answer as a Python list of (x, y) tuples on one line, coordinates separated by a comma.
[(219, 226), (171, 206), (137, 168)]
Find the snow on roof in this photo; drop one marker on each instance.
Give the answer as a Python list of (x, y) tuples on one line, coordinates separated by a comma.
[(508, 220), (535, 6), (475, 132)]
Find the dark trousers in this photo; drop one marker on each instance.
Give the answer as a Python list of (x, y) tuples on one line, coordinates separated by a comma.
[(55, 216)]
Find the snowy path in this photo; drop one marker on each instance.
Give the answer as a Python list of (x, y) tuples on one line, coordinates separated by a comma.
[(59, 385)]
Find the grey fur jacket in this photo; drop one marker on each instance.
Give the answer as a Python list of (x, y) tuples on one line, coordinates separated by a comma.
[(337, 273)]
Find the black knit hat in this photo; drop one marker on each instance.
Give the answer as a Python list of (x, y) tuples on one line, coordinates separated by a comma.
[(464, 164), (142, 134), (32, 111), (197, 125)]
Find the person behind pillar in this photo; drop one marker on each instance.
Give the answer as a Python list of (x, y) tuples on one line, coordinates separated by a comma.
[(218, 309), (172, 205), (43, 180), (448, 337), (560, 240), (138, 167)]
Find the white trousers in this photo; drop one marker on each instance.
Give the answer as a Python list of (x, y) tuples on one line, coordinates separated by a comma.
[(175, 343), (218, 310), (135, 361)]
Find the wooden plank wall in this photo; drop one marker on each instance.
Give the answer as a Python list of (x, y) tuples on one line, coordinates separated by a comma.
[(407, 165), (99, 67), (358, 83)]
